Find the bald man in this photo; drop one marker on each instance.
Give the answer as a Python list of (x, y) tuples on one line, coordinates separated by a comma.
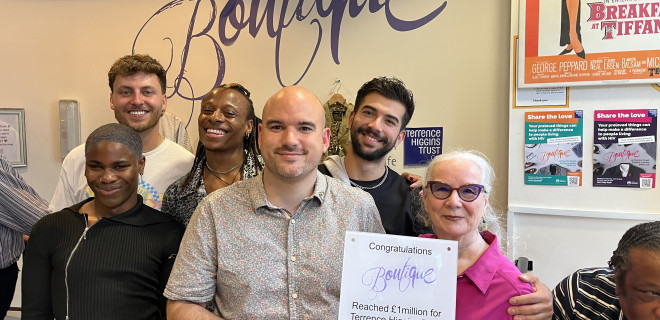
[(271, 247)]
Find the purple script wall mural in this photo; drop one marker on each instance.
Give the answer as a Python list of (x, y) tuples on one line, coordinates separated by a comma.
[(223, 27)]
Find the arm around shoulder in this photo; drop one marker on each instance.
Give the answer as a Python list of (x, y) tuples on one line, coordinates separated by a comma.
[(533, 306)]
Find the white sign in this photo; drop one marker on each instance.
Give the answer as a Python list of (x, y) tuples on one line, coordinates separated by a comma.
[(540, 97), (387, 277)]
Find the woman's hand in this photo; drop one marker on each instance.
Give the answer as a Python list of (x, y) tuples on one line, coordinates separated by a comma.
[(414, 180)]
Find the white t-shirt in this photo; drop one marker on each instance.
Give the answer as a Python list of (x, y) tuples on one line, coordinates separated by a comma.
[(164, 165)]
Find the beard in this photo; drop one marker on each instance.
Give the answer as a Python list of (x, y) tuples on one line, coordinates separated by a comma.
[(374, 155), (287, 171)]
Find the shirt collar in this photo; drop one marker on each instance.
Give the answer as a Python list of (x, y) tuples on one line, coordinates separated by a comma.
[(133, 216), (259, 200), (481, 273)]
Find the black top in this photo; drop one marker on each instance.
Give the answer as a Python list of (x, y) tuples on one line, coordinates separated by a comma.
[(118, 269), (397, 204)]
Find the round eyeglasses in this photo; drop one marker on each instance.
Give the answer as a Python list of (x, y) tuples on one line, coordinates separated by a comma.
[(467, 193)]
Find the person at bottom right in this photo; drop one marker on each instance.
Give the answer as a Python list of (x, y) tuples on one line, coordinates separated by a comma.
[(628, 289), (486, 278)]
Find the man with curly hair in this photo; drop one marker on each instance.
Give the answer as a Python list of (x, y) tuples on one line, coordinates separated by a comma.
[(137, 97)]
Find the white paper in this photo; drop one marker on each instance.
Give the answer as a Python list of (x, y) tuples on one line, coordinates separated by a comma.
[(395, 277)]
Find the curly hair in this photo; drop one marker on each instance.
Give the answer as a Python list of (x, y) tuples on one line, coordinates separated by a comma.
[(138, 63), (644, 235)]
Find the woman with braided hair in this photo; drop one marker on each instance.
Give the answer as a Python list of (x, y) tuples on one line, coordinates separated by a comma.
[(227, 151)]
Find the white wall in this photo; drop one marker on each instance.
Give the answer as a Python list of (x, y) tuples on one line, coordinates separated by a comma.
[(562, 241), (456, 65), (566, 228)]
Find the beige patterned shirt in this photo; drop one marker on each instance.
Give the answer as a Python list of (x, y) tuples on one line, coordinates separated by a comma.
[(258, 261)]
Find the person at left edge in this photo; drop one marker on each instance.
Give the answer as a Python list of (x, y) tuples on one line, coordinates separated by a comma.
[(20, 208), (109, 256), (137, 97)]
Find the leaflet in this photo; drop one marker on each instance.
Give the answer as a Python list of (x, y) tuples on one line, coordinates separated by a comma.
[(553, 148), (625, 148)]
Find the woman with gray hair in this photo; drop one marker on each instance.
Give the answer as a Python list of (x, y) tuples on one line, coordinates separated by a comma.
[(486, 279)]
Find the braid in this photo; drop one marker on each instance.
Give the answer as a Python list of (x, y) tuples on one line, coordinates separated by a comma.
[(200, 159), (250, 143), (644, 235)]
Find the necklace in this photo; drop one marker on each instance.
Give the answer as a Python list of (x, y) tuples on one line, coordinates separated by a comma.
[(223, 172), (213, 172), (387, 170)]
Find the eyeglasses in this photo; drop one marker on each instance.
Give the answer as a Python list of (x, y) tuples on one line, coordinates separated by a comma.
[(238, 87), (467, 193)]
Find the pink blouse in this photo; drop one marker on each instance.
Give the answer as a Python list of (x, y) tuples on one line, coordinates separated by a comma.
[(484, 289)]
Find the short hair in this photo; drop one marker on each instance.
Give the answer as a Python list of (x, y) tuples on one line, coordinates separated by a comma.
[(487, 179), (390, 88), (138, 63), (643, 235), (116, 132)]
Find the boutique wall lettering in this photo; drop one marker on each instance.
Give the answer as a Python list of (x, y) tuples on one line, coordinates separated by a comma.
[(225, 24)]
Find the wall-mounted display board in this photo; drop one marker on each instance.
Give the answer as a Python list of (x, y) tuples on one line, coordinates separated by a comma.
[(591, 42), (560, 228)]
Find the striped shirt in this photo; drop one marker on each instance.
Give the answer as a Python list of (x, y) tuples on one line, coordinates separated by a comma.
[(20, 208), (587, 294)]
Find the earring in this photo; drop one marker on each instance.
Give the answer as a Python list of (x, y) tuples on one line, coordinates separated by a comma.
[(247, 135), (484, 227), (141, 177)]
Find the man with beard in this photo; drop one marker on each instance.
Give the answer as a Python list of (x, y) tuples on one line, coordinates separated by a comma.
[(383, 108), (271, 247), (137, 96)]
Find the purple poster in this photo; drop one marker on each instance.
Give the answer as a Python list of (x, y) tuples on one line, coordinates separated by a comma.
[(625, 148)]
